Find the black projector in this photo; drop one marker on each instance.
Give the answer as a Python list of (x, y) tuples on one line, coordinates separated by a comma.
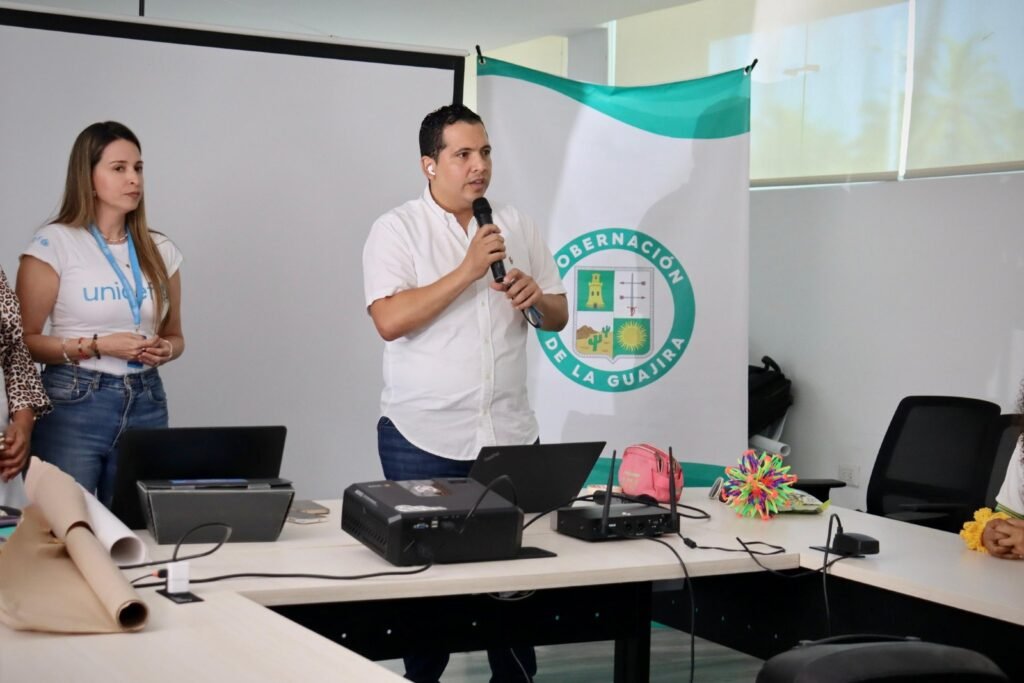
[(429, 522)]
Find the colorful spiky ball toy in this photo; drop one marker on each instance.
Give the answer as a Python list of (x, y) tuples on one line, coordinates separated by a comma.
[(759, 485)]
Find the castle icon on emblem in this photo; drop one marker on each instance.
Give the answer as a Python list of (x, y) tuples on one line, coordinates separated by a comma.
[(595, 298)]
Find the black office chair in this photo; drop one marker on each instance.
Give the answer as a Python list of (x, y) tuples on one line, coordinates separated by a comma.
[(935, 461), (879, 659), (1005, 433)]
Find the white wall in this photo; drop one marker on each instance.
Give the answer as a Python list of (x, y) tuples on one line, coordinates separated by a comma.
[(867, 293), (267, 171)]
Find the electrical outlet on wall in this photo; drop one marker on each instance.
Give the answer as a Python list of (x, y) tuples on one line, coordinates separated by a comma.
[(850, 474)]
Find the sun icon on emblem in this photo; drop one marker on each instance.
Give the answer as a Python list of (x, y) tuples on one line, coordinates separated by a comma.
[(632, 336)]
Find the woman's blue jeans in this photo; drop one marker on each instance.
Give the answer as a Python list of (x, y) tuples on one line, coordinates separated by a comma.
[(90, 412)]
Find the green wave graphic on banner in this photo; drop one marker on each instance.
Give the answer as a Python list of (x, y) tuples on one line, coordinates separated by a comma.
[(713, 107)]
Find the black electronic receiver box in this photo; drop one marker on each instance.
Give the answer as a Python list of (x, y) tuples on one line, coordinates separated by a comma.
[(621, 520), (429, 521)]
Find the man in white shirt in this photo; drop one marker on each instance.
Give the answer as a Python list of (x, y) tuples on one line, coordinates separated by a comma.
[(455, 353)]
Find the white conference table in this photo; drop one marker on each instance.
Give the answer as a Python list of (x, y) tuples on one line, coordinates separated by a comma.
[(232, 633), (913, 560), (324, 548), (226, 637)]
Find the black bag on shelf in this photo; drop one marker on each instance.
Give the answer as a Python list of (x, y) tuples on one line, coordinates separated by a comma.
[(770, 395)]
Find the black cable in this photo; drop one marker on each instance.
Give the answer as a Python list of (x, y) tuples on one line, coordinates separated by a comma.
[(824, 573), (140, 578), (702, 515), (487, 489), (775, 549), (522, 669), (273, 575), (650, 502), (687, 581), (826, 564), (177, 546), (587, 498), (808, 572), (687, 584)]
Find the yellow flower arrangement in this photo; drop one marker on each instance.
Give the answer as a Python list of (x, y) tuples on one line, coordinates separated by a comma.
[(972, 531)]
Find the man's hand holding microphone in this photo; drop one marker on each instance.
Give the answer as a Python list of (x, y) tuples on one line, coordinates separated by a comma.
[(489, 246)]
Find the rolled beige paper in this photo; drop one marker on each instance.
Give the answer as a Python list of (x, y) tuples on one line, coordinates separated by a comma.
[(763, 443), (63, 510), (52, 586), (42, 589), (58, 496), (115, 593)]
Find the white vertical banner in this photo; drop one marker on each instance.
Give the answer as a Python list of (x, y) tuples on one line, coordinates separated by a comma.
[(642, 195)]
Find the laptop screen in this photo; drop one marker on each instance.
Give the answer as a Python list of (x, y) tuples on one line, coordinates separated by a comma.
[(544, 476), (191, 453)]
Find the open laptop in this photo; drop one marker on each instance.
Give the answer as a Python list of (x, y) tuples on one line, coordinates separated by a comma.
[(191, 453), (545, 476)]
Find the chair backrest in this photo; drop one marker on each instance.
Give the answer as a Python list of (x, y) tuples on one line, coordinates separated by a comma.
[(1005, 433), (936, 450), (879, 659)]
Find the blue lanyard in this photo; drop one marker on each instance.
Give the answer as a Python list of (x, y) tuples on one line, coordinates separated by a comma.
[(134, 296)]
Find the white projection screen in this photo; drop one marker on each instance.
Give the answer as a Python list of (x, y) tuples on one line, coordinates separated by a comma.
[(267, 160)]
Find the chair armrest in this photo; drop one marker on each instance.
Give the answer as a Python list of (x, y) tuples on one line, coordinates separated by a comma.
[(933, 520), (934, 507), (819, 488)]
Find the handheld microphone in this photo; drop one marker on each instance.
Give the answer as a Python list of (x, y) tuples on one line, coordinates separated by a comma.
[(482, 214)]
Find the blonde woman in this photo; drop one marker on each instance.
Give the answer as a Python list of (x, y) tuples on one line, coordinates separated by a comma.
[(111, 290)]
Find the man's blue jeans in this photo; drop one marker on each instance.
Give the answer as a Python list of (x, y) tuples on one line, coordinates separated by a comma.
[(90, 412), (403, 461)]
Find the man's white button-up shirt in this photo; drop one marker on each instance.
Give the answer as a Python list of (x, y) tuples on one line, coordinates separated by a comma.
[(459, 382)]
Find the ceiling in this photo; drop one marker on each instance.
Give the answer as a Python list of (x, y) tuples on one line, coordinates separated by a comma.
[(451, 24)]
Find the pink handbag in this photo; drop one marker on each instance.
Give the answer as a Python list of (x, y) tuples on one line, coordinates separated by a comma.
[(645, 470)]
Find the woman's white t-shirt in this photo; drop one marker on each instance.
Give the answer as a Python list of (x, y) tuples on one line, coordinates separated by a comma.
[(91, 299)]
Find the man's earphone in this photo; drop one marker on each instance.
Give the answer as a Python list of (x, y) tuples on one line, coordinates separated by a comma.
[(430, 169)]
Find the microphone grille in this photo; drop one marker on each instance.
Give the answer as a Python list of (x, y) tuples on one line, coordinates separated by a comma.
[(481, 205)]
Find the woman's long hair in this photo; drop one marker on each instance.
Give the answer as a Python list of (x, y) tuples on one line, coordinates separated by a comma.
[(78, 207)]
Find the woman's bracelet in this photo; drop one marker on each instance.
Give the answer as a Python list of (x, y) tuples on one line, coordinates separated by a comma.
[(82, 355), (95, 346), (170, 355), (64, 352)]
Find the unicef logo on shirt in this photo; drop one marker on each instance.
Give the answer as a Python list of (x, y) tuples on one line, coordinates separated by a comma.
[(631, 311)]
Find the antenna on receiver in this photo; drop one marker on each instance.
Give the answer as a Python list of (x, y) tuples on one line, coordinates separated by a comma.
[(674, 513), (608, 498)]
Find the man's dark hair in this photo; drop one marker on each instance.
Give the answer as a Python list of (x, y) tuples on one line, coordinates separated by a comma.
[(432, 128)]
